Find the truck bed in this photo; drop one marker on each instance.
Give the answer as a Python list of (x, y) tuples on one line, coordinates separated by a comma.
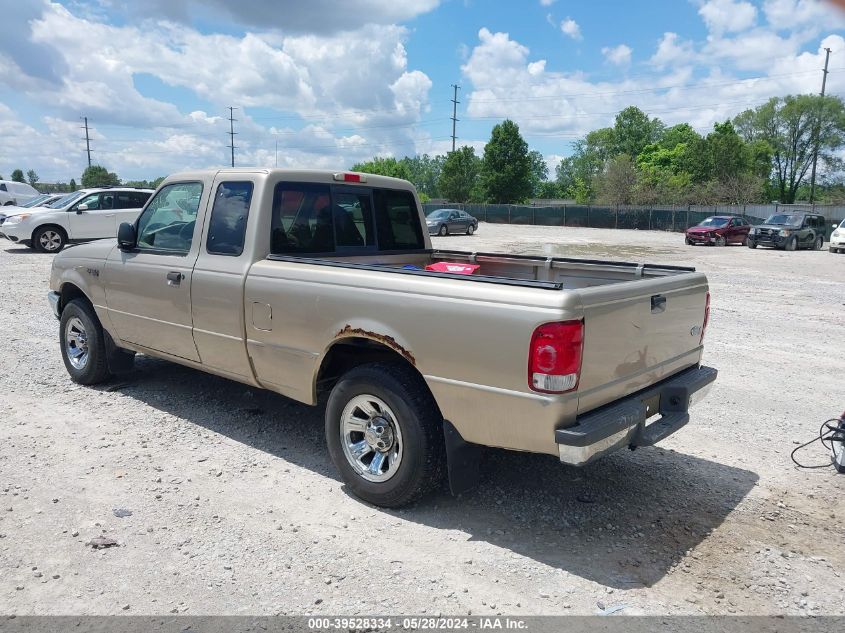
[(469, 334), (553, 273)]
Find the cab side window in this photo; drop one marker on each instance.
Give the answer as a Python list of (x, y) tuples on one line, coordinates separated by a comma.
[(229, 214), (167, 224)]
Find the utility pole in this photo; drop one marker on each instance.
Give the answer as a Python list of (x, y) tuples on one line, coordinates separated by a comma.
[(455, 103), (232, 132), (817, 131), (87, 140), (277, 152)]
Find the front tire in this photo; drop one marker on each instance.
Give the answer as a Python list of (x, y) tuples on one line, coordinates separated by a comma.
[(751, 243), (49, 239), (721, 241), (443, 231), (83, 344), (791, 244), (385, 434)]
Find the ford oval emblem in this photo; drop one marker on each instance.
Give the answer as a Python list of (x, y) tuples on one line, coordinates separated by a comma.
[(695, 331)]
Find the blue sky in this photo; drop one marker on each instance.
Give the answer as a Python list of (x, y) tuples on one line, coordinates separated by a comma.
[(332, 83)]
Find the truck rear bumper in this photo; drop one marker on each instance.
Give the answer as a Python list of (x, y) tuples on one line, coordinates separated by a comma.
[(623, 423)]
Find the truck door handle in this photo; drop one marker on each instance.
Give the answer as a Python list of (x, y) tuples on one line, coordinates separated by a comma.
[(174, 278), (658, 304)]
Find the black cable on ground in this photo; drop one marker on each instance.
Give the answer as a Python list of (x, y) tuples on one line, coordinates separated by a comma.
[(824, 436)]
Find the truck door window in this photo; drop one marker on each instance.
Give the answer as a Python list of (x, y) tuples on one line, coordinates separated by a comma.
[(397, 221), (228, 218), (302, 219), (167, 224)]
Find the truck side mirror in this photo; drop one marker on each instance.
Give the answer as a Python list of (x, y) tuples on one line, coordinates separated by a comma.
[(126, 236)]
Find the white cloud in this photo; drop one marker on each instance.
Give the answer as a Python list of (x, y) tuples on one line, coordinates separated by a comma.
[(306, 75), (789, 14), (671, 50), (570, 27), (547, 3), (728, 16), (617, 55), (504, 81), (314, 16)]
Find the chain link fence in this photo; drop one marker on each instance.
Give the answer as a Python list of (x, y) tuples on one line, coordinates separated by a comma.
[(643, 218)]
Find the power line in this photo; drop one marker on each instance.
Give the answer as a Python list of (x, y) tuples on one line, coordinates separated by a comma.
[(455, 103), (693, 85), (816, 130), (232, 132), (87, 140)]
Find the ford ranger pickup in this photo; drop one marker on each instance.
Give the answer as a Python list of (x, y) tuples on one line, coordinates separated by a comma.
[(314, 284)]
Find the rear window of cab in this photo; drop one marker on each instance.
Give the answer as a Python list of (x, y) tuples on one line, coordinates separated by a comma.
[(319, 218)]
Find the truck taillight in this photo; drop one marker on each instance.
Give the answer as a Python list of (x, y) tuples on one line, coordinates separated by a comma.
[(706, 317), (554, 357), (347, 177)]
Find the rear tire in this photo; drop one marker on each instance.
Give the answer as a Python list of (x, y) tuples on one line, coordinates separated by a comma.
[(49, 239), (380, 396), (83, 344), (470, 229), (819, 243)]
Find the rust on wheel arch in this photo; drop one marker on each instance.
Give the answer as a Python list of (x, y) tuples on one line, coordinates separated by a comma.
[(349, 331)]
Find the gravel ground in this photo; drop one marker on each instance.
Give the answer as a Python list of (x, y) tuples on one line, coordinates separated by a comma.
[(236, 508)]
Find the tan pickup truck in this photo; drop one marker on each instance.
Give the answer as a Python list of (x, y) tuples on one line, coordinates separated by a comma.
[(313, 283)]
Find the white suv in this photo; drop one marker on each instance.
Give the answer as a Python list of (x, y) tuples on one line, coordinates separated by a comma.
[(13, 193), (84, 215)]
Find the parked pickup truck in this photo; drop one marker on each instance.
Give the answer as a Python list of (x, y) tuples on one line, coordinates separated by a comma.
[(313, 283)]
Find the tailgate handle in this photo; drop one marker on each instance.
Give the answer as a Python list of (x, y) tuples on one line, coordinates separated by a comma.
[(658, 304)]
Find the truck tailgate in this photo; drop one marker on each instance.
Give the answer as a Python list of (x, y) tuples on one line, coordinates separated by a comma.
[(638, 333)]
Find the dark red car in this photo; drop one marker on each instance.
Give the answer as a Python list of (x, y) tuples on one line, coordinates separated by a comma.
[(719, 230)]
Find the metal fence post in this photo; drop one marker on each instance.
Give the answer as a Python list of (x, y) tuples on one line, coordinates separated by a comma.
[(564, 215)]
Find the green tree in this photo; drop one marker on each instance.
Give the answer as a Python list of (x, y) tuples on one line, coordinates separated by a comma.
[(98, 176), (384, 167), (677, 134), (506, 167), (575, 174), (792, 127), (618, 182), (425, 172), (549, 190), (73, 184), (633, 130), (32, 177), (539, 172), (17, 176), (459, 176)]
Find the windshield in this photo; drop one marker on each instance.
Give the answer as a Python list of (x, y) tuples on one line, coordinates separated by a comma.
[(66, 200), (713, 222), (35, 202), (784, 219), (439, 214)]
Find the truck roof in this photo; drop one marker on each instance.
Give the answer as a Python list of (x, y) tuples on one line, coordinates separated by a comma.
[(339, 176)]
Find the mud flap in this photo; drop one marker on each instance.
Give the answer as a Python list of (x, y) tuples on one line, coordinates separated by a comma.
[(462, 460), (120, 361)]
